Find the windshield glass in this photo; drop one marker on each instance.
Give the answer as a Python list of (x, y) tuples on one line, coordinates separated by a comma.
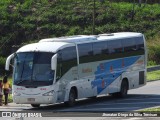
[(33, 69)]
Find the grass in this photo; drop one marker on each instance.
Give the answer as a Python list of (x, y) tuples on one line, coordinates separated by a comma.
[(152, 110), (154, 75)]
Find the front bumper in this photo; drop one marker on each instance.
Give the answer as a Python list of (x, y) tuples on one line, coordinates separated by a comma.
[(34, 99)]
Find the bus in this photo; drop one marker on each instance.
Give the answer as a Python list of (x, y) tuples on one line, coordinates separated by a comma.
[(65, 69)]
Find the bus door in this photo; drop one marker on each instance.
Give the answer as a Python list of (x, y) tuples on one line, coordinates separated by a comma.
[(66, 69), (86, 77)]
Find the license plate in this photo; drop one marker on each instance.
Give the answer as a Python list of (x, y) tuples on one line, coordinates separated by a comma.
[(31, 99)]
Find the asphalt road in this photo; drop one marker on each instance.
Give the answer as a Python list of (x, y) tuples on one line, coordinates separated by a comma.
[(144, 97)]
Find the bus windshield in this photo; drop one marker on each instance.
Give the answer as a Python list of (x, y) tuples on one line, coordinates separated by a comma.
[(33, 69)]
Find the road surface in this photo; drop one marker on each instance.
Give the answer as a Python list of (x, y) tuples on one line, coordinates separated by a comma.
[(141, 98)]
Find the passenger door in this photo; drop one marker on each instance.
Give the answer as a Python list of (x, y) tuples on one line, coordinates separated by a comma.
[(66, 70), (85, 69)]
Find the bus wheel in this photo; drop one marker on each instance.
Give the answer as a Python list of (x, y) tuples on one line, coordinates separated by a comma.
[(124, 89), (35, 105), (72, 98)]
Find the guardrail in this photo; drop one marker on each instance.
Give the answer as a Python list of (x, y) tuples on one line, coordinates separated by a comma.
[(154, 68)]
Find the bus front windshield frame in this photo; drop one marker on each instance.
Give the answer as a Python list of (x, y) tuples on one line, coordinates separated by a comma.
[(33, 69)]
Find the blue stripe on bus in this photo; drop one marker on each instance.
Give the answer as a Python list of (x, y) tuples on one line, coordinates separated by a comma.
[(109, 71)]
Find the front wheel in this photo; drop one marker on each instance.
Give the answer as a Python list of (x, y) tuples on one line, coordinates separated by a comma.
[(72, 98), (35, 105)]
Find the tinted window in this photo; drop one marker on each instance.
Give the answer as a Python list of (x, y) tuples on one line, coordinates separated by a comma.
[(99, 48), (67, 58), (33, 69), (115, 46), (100, 51), (129, 44), (85, 53), (68, 54), (139, 43)]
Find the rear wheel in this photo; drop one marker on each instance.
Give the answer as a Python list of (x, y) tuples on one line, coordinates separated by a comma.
[(123, 90), (35, 105), (72, 98)]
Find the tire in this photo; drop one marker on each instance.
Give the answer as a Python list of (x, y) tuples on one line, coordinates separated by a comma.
[(35, 105), (123, 90), (72, 98)]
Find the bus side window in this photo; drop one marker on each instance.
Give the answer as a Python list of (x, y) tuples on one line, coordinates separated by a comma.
[(85, 52), (99, 48), (67, 58), (129, 44), (115, 46), (100, 51), (139, 43)]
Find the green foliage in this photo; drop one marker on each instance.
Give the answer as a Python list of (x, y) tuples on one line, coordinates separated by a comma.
[(153, 75), (2, 63), (154, 49), (151, 63), (23, 21)]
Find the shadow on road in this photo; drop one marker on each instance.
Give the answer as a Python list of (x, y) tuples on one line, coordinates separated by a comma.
[(106, 104)]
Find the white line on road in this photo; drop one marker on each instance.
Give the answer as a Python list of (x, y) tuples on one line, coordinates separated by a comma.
[(140, 98), (124, 103), (95, 109), (134, 119)]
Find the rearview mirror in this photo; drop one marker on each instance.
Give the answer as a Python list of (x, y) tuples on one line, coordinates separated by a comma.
[(54, 62), (8, 61)]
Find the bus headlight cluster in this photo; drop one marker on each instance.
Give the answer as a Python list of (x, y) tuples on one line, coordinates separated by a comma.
[(50, 93), (16, 94)]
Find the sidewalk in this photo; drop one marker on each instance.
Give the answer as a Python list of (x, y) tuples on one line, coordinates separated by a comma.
[(14, 106)]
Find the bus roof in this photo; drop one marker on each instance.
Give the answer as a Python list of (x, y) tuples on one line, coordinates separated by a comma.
[(55, 44), (90, 38), (114, 36), (44, 47), (76, 38)]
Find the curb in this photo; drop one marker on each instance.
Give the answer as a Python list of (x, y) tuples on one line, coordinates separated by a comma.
[(154, 68)]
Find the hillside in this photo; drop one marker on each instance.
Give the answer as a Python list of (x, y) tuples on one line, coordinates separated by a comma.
[(26, 21)]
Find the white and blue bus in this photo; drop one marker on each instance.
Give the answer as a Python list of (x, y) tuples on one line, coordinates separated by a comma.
[(65, 69)]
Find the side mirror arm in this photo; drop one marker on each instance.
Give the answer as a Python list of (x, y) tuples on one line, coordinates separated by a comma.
[(8, 61), (54, 62)]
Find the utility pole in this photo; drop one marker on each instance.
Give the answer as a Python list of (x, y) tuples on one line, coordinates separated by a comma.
[(133, 10), (140, 2), (93, 19)]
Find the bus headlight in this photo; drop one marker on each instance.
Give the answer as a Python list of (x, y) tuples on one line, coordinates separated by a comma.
[(50, 93), (16, 94)]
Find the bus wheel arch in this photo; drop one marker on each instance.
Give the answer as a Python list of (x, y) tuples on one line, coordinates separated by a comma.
[(73, 95)]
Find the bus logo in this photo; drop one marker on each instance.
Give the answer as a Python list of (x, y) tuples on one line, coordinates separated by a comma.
[(6, 114)]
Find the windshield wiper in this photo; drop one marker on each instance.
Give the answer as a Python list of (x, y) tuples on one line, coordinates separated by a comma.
[(18, 82)]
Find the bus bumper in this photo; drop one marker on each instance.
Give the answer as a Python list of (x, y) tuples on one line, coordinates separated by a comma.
[(34, 99)]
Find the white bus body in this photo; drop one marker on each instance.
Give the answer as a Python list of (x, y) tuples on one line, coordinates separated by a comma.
[(63, 69)]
